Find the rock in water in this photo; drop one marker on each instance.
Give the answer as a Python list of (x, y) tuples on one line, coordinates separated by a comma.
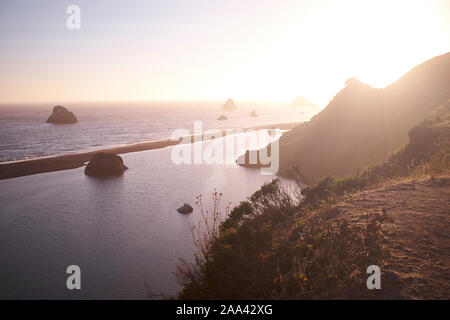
[(222, 117), (253, 114), (105, 165), (229, 105), (186, 208), (61, 115), (302, 102)]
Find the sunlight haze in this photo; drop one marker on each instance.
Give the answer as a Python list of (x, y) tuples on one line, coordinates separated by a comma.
[(199, 50)]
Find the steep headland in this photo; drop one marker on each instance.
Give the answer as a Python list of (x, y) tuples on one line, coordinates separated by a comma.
[(362, 125)]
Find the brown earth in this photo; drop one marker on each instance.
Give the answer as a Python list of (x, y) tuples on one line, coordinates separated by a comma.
[(417, 235)]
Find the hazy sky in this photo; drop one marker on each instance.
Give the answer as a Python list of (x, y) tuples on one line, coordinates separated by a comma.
[(188, 50)]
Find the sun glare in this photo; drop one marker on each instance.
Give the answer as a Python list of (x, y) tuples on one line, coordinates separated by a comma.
[(375, 42), (271, 51)]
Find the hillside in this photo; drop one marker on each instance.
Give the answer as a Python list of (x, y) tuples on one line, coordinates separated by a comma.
[(428, 150), (417, 240), (362, 125), (316, 242), (324, 255)]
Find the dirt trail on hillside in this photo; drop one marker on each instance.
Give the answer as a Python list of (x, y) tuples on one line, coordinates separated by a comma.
[(417, 235)]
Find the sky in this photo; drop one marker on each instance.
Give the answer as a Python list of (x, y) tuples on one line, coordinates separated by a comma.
[(145, 50)]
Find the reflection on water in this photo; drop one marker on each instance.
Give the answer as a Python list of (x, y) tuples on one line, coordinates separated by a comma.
[(122, 232)]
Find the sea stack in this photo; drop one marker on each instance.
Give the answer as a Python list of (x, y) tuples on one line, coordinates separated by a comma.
[(105, 165), (301, 102), (229, 105), (61, 115), (222, 117), (253, 114)]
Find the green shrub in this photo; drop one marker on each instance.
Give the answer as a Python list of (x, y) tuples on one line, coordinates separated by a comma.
[(329, 188), (266, 249)]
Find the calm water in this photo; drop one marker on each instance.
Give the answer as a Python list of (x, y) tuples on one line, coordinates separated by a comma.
[(122, 232), (25, 134)]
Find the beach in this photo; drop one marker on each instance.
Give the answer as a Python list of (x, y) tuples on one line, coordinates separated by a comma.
[(14, 169)]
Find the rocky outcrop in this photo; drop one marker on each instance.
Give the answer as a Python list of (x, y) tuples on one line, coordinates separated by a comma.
[(229, 105), (61, 115), (186, 208), (253, 114), (302, 102), (222, 117), (105, 165)]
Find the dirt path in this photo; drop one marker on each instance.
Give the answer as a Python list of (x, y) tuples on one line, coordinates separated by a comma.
[(417, 235)]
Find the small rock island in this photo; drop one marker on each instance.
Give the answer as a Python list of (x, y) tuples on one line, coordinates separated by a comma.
[(222, 117), (105, 165), (253, 114), (229, 105), (61, 115)]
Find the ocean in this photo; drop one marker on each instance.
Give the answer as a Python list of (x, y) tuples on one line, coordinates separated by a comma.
[(24, 133), (124, 233)]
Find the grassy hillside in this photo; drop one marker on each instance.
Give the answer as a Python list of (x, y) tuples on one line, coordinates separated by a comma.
[(317, 242), (427, 153), (362, 125)]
